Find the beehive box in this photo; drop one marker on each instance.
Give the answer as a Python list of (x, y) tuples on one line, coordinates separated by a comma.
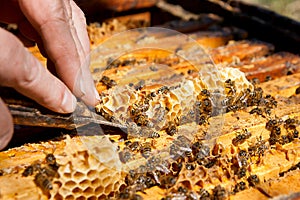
[(250, 152)]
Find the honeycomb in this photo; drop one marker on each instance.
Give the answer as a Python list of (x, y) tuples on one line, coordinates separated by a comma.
[(161, 104), (83, 176)]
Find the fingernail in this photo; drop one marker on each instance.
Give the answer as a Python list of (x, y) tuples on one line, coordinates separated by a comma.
[(69, 101)]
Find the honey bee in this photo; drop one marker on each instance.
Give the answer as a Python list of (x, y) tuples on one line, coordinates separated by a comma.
[(190, 156), (134, 145), (273, 139), (269, 101), (255, 81), (255, 96), (209, 162), (146, 150), (108, 82), (227, 101), (141, 120), (191, 71), (204, 194), (267, 111), (50, 171), (257, 111), (205, 93), (163, 90), (241, 172), (31, 169), (284, 140), (167, 181), (129, 61), (174, 151), (142, 169), (128, 194), (182, 190), (171, 129), (258, 149), (154, 134), (153, 68), (125, 155), (43, 181), (105, 114), (149, 182), (190, 166), (196, 147), (295, 133), (242, 158), (276, 130), (219, 193), (112, 63), (43, 175), (127, 143), (243, 97), (206, 106), (232, 108), (253, 180), (50, 159), (239, 187), (290, 124), (230, 88), (139, 85), (125, 194), (268, 78), (176, 167), (168, 197), (28, 171), (204, 151), (241, 137)]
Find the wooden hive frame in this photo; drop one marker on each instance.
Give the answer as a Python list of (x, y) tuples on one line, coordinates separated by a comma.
[(278, 164)]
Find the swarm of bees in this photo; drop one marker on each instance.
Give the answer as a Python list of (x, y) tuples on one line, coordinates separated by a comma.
[(275, 126), (43, 172), (185, 155)]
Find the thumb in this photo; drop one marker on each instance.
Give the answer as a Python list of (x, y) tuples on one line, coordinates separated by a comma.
[(6, 124)]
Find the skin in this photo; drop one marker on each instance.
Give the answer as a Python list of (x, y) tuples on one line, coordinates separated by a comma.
[(59, 29)]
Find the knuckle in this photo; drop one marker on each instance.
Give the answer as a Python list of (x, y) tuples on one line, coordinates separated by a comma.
[(27, 76)]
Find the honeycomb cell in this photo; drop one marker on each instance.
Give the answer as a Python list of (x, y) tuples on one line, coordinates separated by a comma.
[(88, 190), (76, 190), (70, 197), (79, 176), (95, 182), (92, 173), (108, 188), (81, 198), (92, 198), (99, 190), (85, 183), (70, 184)]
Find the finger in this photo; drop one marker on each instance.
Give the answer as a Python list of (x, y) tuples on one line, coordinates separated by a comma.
[(6, 125), (53, 20), (80, 27), (20, 70)]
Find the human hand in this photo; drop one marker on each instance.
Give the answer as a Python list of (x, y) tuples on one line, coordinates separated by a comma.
[(59, 29)]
